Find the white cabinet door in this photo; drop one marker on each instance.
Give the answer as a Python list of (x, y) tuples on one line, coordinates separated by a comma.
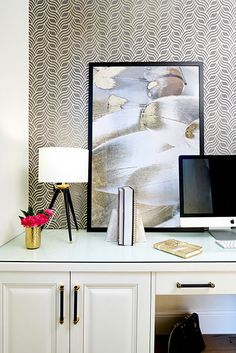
[(30, 313), (113, 310)]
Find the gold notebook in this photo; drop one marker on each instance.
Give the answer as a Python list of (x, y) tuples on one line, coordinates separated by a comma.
[(178, 248)]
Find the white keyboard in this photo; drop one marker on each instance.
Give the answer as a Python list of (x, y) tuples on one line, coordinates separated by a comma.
[(227, 244)]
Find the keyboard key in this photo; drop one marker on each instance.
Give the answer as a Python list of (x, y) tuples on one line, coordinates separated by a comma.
[(227, 244)]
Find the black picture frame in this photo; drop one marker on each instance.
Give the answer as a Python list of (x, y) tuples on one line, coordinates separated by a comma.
[(164, 102)]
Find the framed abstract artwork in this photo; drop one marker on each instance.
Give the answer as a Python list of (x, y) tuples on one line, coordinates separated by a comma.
[(142, 116)]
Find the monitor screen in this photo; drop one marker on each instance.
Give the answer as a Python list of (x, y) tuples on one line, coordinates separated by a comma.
[(207, 186)]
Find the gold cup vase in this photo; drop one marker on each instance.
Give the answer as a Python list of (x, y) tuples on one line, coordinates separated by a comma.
[(32, 237)]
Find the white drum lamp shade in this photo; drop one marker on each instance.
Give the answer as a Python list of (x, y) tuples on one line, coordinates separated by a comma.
[(63, 165)]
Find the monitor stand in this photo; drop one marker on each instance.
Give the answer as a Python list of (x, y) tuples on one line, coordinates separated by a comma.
[(223, 234)]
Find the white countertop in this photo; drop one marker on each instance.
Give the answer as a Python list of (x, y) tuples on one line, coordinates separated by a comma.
[(90, 247)]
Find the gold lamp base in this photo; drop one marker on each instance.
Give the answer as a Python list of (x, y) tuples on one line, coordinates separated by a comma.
[(62, 186)]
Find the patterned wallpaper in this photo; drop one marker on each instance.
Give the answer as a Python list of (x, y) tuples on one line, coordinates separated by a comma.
[(66, 35)]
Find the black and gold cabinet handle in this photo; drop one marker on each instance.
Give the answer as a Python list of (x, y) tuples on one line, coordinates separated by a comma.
[(76, 318), (195, 285), (61, 293)]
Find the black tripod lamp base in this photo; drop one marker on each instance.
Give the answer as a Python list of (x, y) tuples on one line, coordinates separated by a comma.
[(64, 188)]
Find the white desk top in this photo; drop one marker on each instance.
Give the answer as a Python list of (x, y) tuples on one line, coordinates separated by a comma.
[(92, 248)]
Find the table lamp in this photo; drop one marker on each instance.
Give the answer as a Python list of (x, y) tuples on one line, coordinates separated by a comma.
[(62, 166)]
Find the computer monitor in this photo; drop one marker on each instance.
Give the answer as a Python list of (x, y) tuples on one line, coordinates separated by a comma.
[(207, 186)]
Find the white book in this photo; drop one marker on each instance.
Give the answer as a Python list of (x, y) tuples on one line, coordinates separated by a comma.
[(128, 215), (120, 222)]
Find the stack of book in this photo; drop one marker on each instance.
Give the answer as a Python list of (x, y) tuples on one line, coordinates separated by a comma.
[(126, 219)]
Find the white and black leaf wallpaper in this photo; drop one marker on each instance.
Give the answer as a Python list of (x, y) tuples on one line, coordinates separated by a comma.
[(64, 36)]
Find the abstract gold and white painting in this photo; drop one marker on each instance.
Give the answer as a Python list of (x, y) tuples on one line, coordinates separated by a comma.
[(142, 116)]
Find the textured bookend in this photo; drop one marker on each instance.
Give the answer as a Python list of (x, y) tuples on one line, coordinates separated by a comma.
[(140, 236), (112, 226), (111, 235)]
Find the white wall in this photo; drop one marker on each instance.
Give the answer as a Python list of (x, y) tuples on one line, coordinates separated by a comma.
[(217, 313), (13, 115)]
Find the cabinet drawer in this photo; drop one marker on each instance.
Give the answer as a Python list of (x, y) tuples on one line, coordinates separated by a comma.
[(195, 283)]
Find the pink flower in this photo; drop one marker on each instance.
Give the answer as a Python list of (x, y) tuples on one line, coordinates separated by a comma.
[(48, 212), (41, 219), (35, 220), (29, 221)]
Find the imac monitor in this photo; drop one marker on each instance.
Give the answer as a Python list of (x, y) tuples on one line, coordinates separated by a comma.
[(207, 186)]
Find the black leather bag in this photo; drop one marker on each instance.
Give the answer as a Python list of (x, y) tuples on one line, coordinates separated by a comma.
[(186, 336)]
